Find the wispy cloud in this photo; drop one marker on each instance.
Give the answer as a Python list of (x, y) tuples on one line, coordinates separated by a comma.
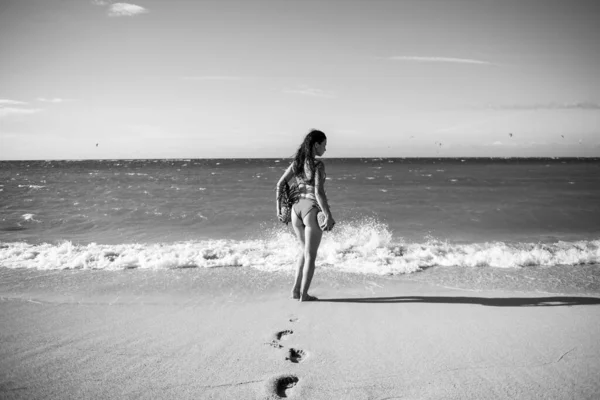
[(6, 111), (308, 91), (11, 102), (582, 105), (125, 10), (120, 9), (212, 78), (440, 60), (53, 100)]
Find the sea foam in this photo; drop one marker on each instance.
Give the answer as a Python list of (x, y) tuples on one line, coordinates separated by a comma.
[(362, 247)]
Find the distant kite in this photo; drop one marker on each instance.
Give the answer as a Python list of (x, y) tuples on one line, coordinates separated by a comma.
[(562, 136), (510, 134), (96, 144)]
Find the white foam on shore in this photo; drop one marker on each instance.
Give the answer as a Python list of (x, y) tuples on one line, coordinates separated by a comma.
[(363, 247)]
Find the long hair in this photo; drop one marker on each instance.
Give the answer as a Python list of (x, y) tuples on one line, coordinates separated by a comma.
[(304, 160)]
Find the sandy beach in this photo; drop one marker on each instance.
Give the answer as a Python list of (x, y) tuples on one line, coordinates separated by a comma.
[(233, 333)]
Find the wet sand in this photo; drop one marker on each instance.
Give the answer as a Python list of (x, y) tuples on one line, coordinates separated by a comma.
[(233, 333)]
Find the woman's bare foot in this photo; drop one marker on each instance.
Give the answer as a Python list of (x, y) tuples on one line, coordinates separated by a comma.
[(308, 297)]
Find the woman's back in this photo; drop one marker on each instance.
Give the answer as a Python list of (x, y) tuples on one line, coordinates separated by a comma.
[(306, 181)]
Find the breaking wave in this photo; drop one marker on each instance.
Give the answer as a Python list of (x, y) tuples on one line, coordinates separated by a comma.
[(362, 247)]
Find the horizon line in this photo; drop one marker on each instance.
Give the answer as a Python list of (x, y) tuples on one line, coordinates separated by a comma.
[(328, 158)]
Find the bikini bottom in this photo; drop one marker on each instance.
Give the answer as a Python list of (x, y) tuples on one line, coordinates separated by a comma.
[(303, 207)]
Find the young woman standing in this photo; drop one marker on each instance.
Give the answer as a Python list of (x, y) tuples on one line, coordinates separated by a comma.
[(310, 179)]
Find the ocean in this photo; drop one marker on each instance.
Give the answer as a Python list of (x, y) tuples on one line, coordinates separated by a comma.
[(395, 216)]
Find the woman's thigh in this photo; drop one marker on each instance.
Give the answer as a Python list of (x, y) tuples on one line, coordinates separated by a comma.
[(312, 233), (298, 226)]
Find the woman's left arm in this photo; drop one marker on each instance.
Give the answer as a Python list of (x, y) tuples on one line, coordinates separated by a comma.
[(321, 196)]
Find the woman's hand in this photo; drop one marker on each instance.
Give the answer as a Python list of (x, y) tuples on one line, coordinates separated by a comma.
[(280, 217), (329, 223)]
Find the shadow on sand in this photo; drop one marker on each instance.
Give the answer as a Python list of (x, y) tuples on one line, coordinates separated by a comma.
[(483, 301)]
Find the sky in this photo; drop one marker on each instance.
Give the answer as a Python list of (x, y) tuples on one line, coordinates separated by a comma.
[(99, 79)]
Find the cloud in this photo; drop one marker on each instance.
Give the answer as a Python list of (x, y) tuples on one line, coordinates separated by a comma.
[(120, 9), (212, 78), (308, 91), (582, 105), (6, 111), (125, 10), (54, 100), (440, 60), (11, 102)]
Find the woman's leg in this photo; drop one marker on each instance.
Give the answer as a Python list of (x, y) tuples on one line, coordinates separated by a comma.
[(312, 240), (298, 226)]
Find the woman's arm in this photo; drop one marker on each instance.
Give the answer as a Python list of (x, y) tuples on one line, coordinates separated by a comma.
[(287, 175), (321, 196)]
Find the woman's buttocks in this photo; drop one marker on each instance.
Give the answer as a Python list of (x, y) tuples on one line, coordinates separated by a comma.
[(303, 206)]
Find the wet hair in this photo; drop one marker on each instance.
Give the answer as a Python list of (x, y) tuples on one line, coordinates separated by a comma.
[(305, 156)]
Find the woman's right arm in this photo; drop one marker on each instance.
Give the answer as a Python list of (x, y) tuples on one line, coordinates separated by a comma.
[(322, 197)]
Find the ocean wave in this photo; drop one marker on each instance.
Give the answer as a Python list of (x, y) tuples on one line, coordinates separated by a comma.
[(362, 247), (29, 217), (32, 186)]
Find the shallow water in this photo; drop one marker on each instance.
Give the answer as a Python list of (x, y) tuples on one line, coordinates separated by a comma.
[(394, 216)]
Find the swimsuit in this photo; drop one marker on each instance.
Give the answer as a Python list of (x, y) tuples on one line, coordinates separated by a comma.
[(303, 207), (307, 199)]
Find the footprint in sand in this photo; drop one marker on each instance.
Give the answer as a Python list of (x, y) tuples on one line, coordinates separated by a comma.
[(281, 386), (274, 344), (296, 355), (283, 334), (278, 337), (294, 319), (285, 385)]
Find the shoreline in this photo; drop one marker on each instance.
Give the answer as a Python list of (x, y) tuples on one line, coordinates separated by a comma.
[(555, 280), (233, 333)]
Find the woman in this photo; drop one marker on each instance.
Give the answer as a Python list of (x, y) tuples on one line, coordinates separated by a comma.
[(310, 179)]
